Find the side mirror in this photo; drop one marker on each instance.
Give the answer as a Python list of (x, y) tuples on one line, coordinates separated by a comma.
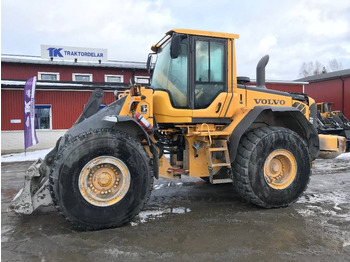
[(175, 45), (149, 62)]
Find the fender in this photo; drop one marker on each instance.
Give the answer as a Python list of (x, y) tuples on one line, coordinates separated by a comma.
[(94, 121), (131, 122), (108, 118), (92, 106), (270, 116)]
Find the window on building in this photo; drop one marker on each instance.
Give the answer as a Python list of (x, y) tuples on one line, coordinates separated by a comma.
[(43, 117), (142, 79), (48, 76), (82, 77), (114, 78)]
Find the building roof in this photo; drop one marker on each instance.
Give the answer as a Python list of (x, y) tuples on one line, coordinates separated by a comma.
[(284, 82), (26, 59), (326, 76), (60, 85)]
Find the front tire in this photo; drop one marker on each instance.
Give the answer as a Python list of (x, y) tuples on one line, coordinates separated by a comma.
[(272, 167), (101, 179)]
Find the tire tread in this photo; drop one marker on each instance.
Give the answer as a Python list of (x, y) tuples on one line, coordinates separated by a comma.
[(240, 166), (54, 173)]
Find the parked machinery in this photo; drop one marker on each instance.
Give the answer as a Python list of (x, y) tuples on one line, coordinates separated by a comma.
[(332, 122)]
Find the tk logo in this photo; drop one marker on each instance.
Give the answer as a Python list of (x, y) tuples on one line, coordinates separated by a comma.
[(55, 52)]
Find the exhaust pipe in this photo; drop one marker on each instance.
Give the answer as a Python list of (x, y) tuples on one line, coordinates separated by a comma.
[(260, 71)]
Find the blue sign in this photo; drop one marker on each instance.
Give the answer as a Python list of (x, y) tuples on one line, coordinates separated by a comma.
[(55, 52), (73, 53)]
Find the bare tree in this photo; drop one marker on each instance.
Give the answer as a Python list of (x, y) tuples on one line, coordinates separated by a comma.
[(334, 65), (316, 68), (306, 69)]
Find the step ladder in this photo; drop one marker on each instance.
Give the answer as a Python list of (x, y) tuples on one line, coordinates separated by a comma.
[(217, 145)]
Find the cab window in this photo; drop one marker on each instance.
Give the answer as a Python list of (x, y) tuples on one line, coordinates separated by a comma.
[(209, 71), (170, 74)]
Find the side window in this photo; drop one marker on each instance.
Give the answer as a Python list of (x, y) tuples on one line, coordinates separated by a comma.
[(178, 75), (210, 71), (171, 74), (43, 117)]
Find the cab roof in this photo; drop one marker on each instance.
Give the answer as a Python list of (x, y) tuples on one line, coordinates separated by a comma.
[(203, 33), (155, 47)]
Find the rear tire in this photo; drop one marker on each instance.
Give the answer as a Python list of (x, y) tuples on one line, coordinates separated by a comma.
[(272, 167), (101, 179)]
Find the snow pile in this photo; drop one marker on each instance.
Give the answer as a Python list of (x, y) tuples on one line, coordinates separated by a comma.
[(344, 156), (148, 215), (29, 156)]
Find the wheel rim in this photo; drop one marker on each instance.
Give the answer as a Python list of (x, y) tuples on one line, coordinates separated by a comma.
[(104, 181), (280, 169)]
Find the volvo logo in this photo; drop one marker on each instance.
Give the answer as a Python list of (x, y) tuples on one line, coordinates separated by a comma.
[(269, 101)]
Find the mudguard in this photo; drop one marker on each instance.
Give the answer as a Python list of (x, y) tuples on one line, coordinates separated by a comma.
[(109, 118), (298, 123)]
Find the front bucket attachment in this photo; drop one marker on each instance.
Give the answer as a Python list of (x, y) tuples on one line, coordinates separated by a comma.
[(34, 193), (331, 146)]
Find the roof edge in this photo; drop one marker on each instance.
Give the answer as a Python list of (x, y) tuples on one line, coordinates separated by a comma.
[(203, 33)]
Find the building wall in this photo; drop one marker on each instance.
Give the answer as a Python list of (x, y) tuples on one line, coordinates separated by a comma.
[(326, 91), (66, 106), (22, 71), (297, 88), (13, 141), (285, 87), (347, 97), (332, 91)]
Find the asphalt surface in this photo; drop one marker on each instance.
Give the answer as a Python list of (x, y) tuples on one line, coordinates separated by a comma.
[(190, 220)]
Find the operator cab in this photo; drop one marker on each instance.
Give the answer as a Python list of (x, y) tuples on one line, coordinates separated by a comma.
[(192, 70)]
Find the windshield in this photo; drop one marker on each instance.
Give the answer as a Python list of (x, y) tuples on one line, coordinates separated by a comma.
[(171, 74)]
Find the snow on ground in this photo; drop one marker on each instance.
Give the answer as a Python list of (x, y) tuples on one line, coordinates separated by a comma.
[(344, 156), (146, 215), (34, 155), (29, 156)]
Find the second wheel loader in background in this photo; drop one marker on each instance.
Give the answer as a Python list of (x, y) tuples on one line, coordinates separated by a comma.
[(197, 112), (332, 122)]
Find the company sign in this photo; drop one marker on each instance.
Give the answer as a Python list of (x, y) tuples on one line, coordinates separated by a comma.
[(69, 53)]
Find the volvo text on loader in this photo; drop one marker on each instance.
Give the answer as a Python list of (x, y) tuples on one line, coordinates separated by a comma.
[(197, 118)]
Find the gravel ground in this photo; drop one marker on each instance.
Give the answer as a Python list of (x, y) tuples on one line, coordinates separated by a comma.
[(190, 220)]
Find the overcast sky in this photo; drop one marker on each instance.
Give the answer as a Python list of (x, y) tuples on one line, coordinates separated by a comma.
[(291, 32)]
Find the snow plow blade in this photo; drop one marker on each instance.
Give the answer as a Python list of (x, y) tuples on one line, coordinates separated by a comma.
[(34, 193), (331, 146)]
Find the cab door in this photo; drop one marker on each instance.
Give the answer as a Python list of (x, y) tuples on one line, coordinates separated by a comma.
[(170, 83), (209, 79)]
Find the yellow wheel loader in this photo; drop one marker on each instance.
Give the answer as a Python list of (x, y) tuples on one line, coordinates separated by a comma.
[(196, 118)]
